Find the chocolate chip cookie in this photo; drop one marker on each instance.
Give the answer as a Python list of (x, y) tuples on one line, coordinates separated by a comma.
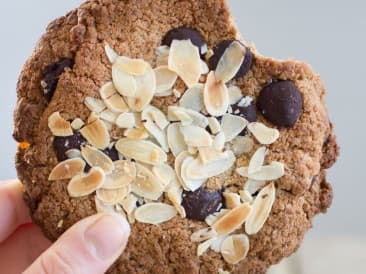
[(159, 111)]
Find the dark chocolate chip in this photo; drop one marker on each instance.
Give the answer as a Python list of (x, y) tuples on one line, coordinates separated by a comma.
[(63, 144), (112, 153), (183, 33), (201, 203), (51, 75), (280, 103), (247, 112), (219, 51)]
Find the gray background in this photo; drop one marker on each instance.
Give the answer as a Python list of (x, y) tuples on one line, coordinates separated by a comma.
[(328, 34)]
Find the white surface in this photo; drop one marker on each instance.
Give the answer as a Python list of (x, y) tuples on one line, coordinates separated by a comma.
[(328, 34)]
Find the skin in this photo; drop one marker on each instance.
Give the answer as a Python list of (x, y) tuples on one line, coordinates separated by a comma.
[(90, 246)]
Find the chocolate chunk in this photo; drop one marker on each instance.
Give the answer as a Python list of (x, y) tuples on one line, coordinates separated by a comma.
[(183, 33), (281, 103), (63, 144), (51, 75), (201, 203), (219, 51), (111, 153)]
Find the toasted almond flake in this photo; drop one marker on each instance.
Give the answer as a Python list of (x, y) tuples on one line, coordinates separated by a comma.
[(103, 208), (107, 90), (156, 115), (233, 219), (162, 50), (85, 184), (209, 154), (145, 89), (126, 120), (112, 196), (108, 116), (111, 54), (209, 54), (164, 94), (198, 119), (235, 248), (193, 98), (95, 105), (162, 55), (123, 174), (165, 173), (197, 170), (235, 94), (95, 157), (138, 120), (270, 172), (202, 248), (264, 134), (165, 78), (196, 136), (141, 151), (136, 133), (77, 124), (261, 209), (155, 213), (92, 118), (232, 200), (59, 126), (124, 83), (175, 139), (232, 126), (215, 96), (214, 124), (178, 166), (216, 244), (191, 184), (204, 67), (230, 62), (213, 218), (96, 133), (129, 203), (73, 153), (159, 135), (219, 141), (184, 59), (116, 104), (146, 184), (257, 160), (242, 144), (67, 169), (203, 234), (175, 197), (131, 66), (192, 150)]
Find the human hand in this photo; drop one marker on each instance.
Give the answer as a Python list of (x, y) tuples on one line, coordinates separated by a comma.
[(90, 246)]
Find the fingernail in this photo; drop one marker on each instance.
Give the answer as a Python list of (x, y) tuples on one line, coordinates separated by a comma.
[(108, 236)]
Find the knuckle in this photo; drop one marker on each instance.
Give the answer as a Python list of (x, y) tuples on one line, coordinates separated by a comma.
[(54, 262)]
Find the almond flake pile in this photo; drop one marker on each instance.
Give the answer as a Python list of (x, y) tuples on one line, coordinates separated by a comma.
[(204, 146)]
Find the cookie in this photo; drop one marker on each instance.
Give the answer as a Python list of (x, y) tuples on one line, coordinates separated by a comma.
[(216, 155)]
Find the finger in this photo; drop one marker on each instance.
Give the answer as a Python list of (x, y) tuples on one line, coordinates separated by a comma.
[(91, 246), (14, 212)]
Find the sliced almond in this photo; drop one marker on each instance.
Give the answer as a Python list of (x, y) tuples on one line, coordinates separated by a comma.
[(143, 151), (96, 133), (262, 207), (158, 134), (107, 90), (129, 203), (165, 78), (103, 208), (270, 172), (123, 174), (232, 200), (202, 248), (116, 103), (138, 120), (176, 139), (124, 83), (95, 105), (162, 55), (59, 126), (112, 196), (94, 157), (196, 136), (213, 218), (242, 144), (184, 59), (126, 120), (197, 170), (264, 134), (165, 173), (214, 124), (233, 219), (136, 133), (230, 62), (146, 184), (219, 141), (209, 154), (111, 54), (253, 186), (198, 119), (145, 89), (191, 184), (85, 184), (73, 153), (235, 94), (193, 98), (131, 66), (108, 116), (203, 234), (156, 115), (216, 244), (215, 96), (67, 169), (77, 124), (204, 67), (175, 197), (235, 248), (232, 126), (245, 196), (177, 93), (178, 166), (257, 160), (155, 213)]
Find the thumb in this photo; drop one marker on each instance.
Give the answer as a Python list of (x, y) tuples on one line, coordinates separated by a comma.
[(90, 246)]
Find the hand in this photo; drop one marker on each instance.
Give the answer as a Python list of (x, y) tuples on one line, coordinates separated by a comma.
[(90, 246)]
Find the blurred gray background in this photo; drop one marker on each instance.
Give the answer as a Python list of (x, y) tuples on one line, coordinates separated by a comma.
[(330, 35)]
